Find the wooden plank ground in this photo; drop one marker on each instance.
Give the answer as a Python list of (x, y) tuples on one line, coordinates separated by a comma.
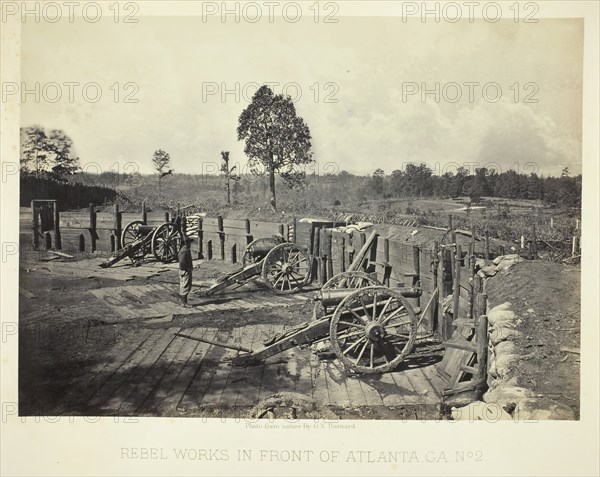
[(157, 299), (166, 394), (161, 374)]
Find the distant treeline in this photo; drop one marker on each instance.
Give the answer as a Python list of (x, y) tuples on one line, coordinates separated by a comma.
[(349, 189), (70, 195), (419, 181)]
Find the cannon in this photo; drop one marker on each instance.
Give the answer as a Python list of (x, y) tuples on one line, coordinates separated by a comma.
[(283, 266), (372, 328), (139, 240)]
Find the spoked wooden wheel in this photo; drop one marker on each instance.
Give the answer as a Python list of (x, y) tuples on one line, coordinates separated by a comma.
[(350, 280), (258, 249), (373, 330), (166, 242), (344, 280), (130, 234), (286, 268)]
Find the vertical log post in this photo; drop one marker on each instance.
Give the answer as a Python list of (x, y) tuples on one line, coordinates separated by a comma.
[(535, 244), (323, 255), (329, 251), (482, 337), (57, 237), (575, 247), (200, 238), (529, 250), (363, 240), (311, 241), (221, 236), (317, 254), (113, 243), (323, 275), (209, 250), (448, 269), (472, 291), (342, 253), (472, 243), (117, 226), (446, 280), (294, 230), (442, 292), (35, 226), (167, 216), (81, 243), (386, 258), (144, 213), (452, 262), (456, 294), (47, 240), (92, 228), (234, 253), (249, 237), (350, 248), (282, 231), (435, 260), (417, 267)]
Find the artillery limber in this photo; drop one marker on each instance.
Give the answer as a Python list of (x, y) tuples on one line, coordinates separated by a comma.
[(372, 328)]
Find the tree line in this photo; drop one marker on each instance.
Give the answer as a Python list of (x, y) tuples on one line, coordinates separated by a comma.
[(70, 195), (277, 145), (418, 180)]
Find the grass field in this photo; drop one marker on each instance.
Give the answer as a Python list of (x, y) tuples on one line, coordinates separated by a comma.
[(334, 198)]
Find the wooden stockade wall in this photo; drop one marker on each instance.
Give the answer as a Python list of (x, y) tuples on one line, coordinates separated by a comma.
[(100, 231), (226, 239), (395, 263)]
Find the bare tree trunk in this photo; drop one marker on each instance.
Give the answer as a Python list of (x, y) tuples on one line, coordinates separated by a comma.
[(272, 189), (228, 193)]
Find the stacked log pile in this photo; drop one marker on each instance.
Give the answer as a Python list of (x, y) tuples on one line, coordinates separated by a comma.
[(192, 223)]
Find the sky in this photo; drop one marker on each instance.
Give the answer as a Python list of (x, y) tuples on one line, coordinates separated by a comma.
[(356, 83)]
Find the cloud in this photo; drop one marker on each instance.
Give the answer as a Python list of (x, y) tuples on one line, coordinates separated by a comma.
[(502, 135)]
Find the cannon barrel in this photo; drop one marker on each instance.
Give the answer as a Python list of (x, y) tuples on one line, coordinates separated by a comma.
[(146, 229), (334, 296)]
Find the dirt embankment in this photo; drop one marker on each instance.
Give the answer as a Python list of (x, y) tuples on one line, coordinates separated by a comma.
[(535, 308)]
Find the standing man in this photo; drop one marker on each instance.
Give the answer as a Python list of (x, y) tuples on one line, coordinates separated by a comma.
[(185, 270)]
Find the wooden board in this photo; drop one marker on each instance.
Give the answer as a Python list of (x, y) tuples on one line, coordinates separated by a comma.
[(189, 364)]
